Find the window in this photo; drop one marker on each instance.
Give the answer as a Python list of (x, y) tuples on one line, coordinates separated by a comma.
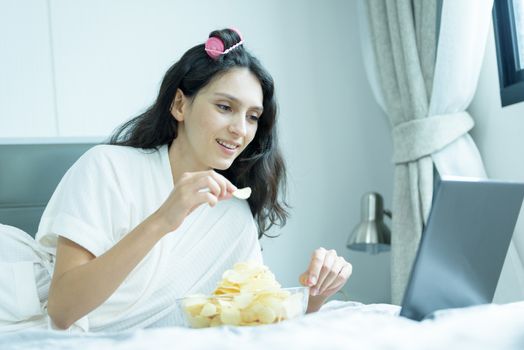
[(508, 20), (518, 8)]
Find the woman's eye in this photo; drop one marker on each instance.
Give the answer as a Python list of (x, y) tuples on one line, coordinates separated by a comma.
[(254, 118), (224, 107)]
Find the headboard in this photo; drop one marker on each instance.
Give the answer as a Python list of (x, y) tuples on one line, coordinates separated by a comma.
[(30, 170)]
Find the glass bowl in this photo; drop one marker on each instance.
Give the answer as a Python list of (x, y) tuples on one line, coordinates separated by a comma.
[(243, 309)]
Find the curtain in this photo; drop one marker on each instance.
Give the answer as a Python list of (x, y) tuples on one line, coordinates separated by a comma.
[(423, 74), (453, 89), (462, 39)]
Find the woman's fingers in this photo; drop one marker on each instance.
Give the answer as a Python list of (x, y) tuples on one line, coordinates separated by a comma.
[(225, 187), (325, 270), (326, 273), (207, 183), (303, 279), (331, 277), (341, 279), (206, 197), (315, 265), (203, 187), (207, 187)]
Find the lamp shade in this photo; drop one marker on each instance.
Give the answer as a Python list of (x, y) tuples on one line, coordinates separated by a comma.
[(371, 234)]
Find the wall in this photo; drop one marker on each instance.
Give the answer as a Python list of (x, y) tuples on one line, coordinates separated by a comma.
[(27, 100), (337, 143), (101, 62), (498, 134)]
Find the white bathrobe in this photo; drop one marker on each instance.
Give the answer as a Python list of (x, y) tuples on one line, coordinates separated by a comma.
[(104, 196)]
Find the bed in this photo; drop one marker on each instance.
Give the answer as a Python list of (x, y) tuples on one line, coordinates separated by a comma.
[(34, 171), (338, 325)]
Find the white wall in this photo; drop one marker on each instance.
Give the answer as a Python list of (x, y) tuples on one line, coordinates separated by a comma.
[(336, 140), (27, 105), (499, 136), (109, 58)]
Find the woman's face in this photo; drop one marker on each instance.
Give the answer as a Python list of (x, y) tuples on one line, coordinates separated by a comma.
[(221, 120)]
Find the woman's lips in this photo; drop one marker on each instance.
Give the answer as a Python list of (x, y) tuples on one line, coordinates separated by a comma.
[(227, 150)]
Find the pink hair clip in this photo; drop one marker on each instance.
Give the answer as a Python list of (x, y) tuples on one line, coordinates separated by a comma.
[(215, 46)]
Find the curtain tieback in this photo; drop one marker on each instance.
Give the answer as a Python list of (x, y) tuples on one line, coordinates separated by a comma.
[(418, 138)]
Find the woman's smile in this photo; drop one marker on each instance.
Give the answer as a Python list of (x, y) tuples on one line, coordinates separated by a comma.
[(227, 147)]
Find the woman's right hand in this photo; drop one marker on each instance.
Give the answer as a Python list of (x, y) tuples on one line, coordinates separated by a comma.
[(190, 192)]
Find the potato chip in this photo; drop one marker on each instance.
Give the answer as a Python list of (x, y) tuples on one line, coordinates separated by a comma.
[(266, 315), (224, 303), (248, 316), (221, 291), (274, 303), (242, 193), (243, 300), (209, 309), (230, 316), (199, 321), (194, 303), (215, 321), (235, 277)]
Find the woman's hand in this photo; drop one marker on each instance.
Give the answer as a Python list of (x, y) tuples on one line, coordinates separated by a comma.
[(327, 274), (189, 193)]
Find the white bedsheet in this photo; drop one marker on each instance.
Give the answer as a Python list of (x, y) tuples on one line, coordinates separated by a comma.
[(339, 325)]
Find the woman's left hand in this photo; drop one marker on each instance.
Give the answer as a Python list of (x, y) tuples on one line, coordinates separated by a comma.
[(327, 274)]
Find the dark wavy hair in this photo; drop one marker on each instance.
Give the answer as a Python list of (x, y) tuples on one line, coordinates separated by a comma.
[(260, 165)]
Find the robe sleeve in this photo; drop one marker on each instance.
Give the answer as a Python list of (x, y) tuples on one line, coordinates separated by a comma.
[(87, 207)]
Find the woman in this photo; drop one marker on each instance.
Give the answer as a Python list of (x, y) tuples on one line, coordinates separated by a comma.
[(127, 226)]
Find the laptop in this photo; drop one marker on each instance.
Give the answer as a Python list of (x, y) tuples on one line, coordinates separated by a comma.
[(463, 245)]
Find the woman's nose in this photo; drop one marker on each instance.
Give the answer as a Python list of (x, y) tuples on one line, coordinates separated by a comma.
[(238, 126)]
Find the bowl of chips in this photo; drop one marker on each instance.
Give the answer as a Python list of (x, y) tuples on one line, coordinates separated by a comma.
[(247, 295)]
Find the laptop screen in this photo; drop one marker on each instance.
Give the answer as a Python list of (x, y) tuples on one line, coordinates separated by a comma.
[(463, 246)]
